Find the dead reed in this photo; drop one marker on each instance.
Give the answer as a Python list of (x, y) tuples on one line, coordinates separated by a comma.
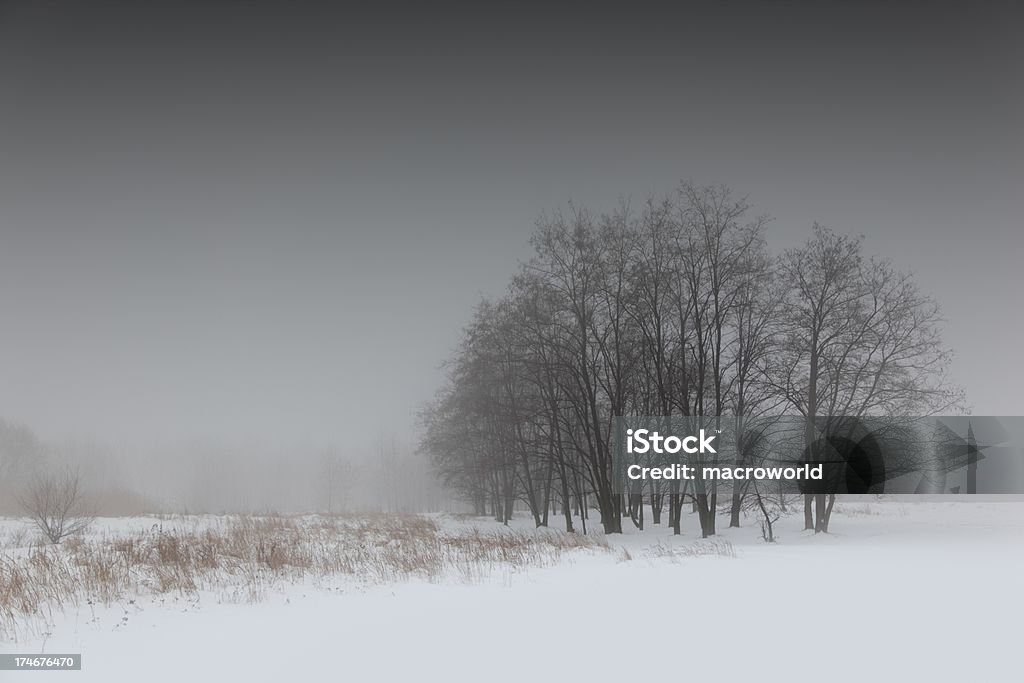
[(246, 556)]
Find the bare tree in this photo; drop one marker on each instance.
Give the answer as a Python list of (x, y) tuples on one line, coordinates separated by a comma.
[(770, 505), (57, 505), (861, 339), (336, 477), (20, 451)]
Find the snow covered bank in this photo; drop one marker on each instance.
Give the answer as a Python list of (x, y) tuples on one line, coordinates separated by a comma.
[(898, 592)]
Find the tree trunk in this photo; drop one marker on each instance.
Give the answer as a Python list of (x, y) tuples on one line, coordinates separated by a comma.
[(820, 523), (828, 511), (734, 513), (566, 504), (657, 500)]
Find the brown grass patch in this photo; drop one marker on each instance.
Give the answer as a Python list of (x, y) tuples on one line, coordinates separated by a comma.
[(243, 557)]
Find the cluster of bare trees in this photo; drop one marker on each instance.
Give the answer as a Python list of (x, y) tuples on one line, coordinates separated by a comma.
[(674, 309)]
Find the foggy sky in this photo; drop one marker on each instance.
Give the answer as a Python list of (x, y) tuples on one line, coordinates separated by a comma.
[(246, 222)]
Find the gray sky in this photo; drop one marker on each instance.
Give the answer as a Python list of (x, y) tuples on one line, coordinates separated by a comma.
[(238, 222)]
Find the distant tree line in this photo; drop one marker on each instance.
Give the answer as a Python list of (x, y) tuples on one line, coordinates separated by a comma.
[(676, 308), (49, 480)]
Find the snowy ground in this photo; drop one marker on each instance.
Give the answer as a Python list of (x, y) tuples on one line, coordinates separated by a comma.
[(898, 591)]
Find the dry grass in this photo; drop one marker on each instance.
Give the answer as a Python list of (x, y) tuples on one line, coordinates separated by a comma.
[(706, 547), (855, 509), (17, 537), (242, 557)]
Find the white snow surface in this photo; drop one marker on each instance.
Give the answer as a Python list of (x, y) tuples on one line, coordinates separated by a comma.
[(896, 591)]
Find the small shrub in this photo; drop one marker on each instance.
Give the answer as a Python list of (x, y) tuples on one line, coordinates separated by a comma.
[(56, 505)]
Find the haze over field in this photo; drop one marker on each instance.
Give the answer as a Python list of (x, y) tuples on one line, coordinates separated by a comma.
[(328, 333), (253, 230)]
